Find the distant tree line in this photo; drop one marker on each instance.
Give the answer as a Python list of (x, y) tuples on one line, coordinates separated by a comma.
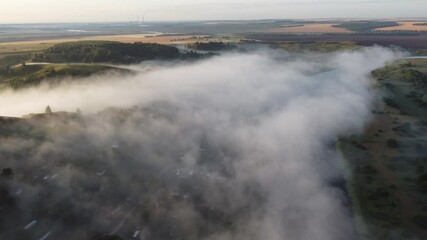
[(366, 26), (211, 46), (106, 51)]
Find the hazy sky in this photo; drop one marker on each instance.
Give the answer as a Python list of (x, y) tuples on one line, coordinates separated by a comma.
[(29, 11)]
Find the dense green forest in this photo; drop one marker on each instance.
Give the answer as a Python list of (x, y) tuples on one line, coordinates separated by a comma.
[(106, 51), (365, 26), (322, 47), (211, 46)]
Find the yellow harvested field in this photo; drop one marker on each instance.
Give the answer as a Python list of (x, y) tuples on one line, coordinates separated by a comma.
[(26, 47), (408, 26), (129, 38), (310, 28)]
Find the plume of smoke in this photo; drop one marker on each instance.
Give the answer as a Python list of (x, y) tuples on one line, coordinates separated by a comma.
[(235, 147)]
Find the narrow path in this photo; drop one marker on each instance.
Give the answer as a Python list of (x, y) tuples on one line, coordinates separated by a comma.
[(128, 67)]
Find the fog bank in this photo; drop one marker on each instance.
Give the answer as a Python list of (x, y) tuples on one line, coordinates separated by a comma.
[(239, 146)]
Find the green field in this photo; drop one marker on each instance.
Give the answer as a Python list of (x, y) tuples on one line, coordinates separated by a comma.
[(23, 76), (322, 47)]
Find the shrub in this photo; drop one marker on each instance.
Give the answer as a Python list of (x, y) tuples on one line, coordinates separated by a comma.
[(7, 172), (392, 143), (422, 181), (420, 221)]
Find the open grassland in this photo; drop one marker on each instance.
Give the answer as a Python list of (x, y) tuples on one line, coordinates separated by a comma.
[(31, 75), (13, 59), (406, 26), (388, 162), (15, 53), (23, 47), (309, 28)]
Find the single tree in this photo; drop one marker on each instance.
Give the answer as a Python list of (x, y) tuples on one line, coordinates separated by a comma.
[(48, 109)]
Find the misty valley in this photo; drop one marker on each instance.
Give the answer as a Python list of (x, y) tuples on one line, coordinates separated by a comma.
[(213, 130)]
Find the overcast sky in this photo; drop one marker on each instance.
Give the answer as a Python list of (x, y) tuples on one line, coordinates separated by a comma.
[(36, 11)]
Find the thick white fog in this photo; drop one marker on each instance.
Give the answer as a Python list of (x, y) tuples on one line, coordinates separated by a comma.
[(249, 82), (260, 127)]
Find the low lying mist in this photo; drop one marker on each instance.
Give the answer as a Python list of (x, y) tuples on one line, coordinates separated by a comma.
[(239, 146)]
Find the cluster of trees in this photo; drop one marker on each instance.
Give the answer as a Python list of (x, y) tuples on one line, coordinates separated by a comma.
[(211, 46), (33, 78), (107, 51), (420, 24), (414, 76), (5, 70), (366, 26), (405, 71)]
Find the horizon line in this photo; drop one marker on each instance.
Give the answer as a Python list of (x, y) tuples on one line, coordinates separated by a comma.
[(221, 20)]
